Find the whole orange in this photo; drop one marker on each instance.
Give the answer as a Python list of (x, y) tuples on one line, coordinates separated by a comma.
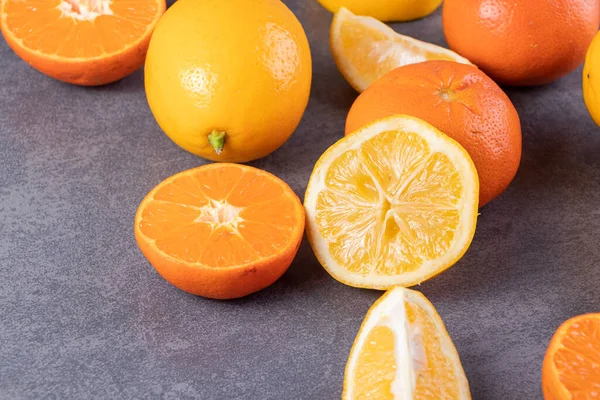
[(460, 101), (228, 80), (522, 42)]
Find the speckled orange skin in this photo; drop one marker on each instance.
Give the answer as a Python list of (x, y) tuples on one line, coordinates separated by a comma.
[(460, 101), (522, 42)]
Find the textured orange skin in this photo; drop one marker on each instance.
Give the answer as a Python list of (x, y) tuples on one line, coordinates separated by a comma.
[(522, 42), (480, 117), (92, 72), (552, 388)]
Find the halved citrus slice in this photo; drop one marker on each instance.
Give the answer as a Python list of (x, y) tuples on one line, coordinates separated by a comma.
[(365, 49), (85, 42), (392, 204), (221, 230), (571, 369), (403, 352)]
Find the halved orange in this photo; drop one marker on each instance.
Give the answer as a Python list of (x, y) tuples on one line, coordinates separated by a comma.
[(85, 42), (221, 230), (571, 369), (365, 49), (403, 352), (395, 203)]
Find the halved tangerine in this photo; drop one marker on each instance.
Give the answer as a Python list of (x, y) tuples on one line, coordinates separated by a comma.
[(221, 230), (85, 42)]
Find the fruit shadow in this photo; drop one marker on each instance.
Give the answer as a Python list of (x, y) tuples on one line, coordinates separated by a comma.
[(130, 84), (304, 276)]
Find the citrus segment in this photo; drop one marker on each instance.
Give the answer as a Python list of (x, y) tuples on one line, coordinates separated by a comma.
[(78, 41), (365, 49), (393, 204), (571, 367), (403, 351), (220, 230)]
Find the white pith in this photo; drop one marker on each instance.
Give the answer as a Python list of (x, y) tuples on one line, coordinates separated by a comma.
[(409, 351), (395, 47), (220, 213), (466, 208), (85, 10)]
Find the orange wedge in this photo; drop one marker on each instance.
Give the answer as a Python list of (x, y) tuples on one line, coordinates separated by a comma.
[(365, 49), (571, 369), (403, 352), (85, 42), (221, 230), (395, 203)]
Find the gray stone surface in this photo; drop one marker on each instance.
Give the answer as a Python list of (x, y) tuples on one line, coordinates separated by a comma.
[(83, 315)]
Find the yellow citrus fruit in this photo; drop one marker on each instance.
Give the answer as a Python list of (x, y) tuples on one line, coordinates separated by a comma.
[(386, 10), (403, 352), (591, 79), (395, 203), (365, 49), (228, 80)]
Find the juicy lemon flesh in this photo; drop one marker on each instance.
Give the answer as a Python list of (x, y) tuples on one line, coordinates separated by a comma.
[(390, 205), (376, 366), (374, 52), (435, 372)]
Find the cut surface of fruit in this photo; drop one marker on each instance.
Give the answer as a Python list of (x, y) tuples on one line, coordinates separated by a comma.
[(365, 49), (571, 369), (461, 101), (403, 352), (86, 42), (221, 230), (393, 204)]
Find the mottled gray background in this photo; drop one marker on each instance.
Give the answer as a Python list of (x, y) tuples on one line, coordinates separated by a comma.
[(83, 315)]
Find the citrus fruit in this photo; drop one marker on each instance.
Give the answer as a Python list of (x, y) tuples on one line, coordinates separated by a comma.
[(228, 80), (403, 352), (570, 370), (365, 49), (85, 42), (393, 204), (462, 102), (386, 10), (591, 79), (221, 230), (522, 42)]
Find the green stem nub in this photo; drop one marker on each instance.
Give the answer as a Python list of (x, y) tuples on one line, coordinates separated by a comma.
[(217, 140)]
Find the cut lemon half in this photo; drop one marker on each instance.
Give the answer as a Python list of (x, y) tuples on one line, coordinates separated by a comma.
[(365, 49), (395, 203), (403, 352)]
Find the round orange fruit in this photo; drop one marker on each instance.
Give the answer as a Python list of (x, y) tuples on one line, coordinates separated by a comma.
[(459, 100), (570, 369), (522, 42), (228, 80), (221, 230), (82, 42)]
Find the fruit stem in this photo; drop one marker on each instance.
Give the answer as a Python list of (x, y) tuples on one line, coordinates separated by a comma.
[(217, 140)]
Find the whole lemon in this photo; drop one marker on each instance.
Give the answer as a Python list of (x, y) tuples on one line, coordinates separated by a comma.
[(385, 10), (228, 80), (591, 79)]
